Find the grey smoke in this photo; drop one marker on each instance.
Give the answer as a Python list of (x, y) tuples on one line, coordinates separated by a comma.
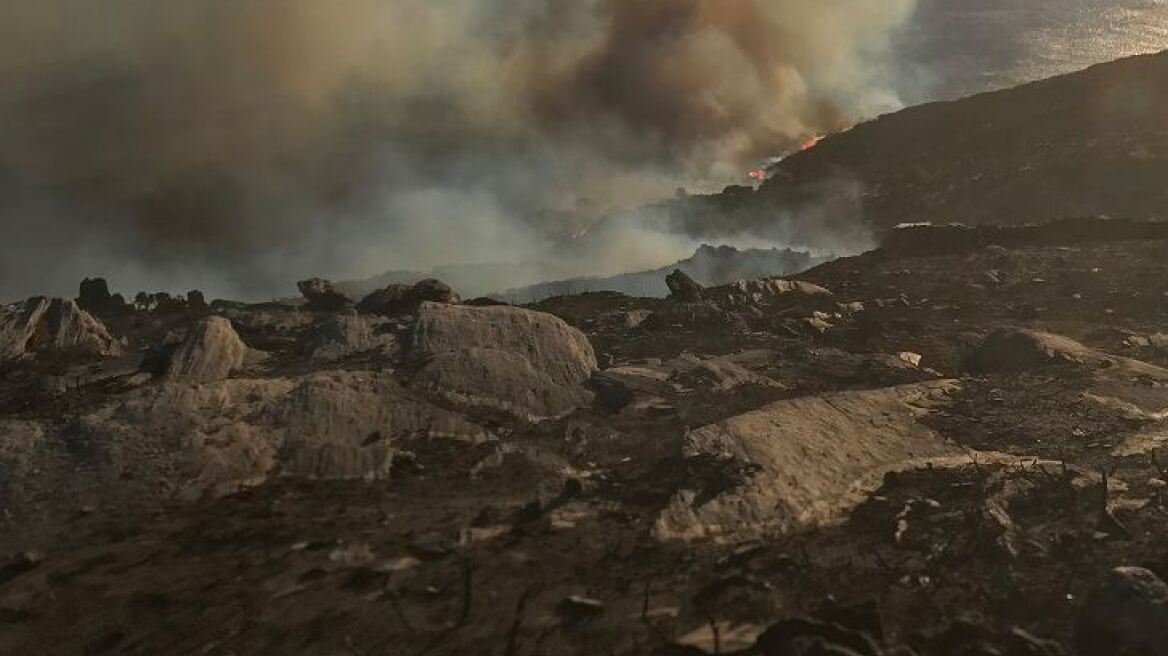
[(238, 145)]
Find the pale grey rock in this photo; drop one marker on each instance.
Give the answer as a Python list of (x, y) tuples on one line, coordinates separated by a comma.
[(806, 461), (43, 325), (528, 364), (211, 351)]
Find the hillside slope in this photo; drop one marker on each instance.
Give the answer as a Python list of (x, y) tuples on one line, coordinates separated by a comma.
[(1088, 143)]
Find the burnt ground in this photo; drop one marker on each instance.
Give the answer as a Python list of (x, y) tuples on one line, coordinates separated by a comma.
[(480, 549)]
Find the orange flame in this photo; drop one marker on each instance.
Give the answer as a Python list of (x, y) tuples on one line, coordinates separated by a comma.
[(810, 142), (758, 175)]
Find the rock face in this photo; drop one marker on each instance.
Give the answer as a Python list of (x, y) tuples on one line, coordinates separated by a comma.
[(211, 351), (1127, 615), (804, 462), (41, 325), (219, 436), (321, 296), (405, 299), (528, 364)]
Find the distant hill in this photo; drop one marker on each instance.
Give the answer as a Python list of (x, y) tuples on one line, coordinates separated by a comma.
[(709, 265), (1088, 143)]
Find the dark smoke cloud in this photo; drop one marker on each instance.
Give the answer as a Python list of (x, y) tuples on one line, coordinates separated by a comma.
[(237, 145), (726, 80)]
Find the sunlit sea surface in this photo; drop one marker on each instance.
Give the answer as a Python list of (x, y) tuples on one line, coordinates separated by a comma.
[(957, 47)]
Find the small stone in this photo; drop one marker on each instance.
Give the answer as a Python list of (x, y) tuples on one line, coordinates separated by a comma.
[(351, 555), (910, 358), (576, 609), (399, 564), (432, 546)]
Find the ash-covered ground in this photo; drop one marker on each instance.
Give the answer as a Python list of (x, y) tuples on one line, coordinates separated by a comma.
[(943, 446)]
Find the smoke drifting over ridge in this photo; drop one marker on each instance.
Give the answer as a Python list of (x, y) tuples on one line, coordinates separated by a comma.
[(236, 145)]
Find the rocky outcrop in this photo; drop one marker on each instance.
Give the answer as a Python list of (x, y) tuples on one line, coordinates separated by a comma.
[(47, 326), (219, 436), (94, 296), (771, 293), (528, 364), (804, 462), (683, 288), (433, 290), (405, 299), (211, 351), (322, 296), (196, 301), (741, 305)]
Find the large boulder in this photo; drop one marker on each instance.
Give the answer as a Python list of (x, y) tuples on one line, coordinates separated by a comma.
[(322, 296), (1126, 616), (211, 351), (683, 288), (528, 364), (405, 299), (53, 326), (804, 462), (500, 380), (218, 436), (433, 290)]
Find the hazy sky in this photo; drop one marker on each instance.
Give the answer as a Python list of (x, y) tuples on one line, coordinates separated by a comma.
[(957, 47)]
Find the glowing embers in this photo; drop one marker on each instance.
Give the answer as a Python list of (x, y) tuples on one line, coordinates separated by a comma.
[(810, 142), (760, 174)]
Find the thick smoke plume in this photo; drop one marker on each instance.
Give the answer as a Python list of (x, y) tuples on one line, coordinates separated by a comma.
[(237, 145)]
